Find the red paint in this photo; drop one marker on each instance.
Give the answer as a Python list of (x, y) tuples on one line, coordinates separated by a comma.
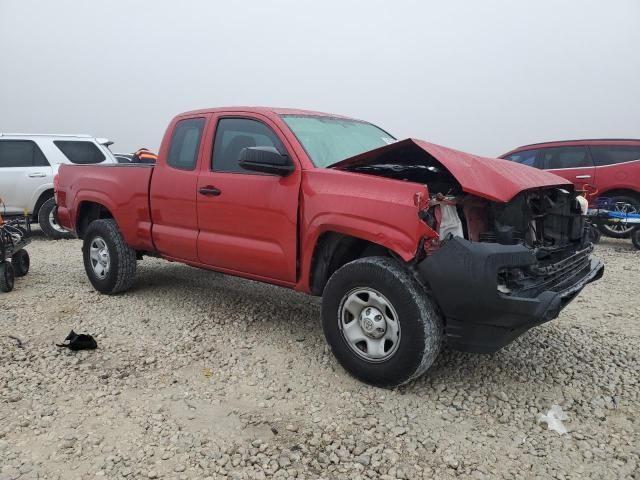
[(267, 227), (603, 179), (490, 178)]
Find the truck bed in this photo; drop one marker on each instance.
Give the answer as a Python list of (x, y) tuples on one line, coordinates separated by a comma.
[(123, 189)]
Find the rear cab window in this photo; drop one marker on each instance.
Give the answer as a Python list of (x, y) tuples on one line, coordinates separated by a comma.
[(612, 154), (80, 152), (21, 153), (185, 143)]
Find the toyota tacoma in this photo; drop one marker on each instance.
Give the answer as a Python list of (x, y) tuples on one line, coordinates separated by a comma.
[(410, 244)]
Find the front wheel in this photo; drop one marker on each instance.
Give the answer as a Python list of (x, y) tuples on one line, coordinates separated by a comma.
[(109, 262), (48, 221), (379, 322)]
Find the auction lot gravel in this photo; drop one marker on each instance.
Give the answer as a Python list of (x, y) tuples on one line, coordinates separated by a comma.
[(200, 375)]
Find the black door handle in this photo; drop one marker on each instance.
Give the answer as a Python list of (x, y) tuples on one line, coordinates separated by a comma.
[(210, 191)]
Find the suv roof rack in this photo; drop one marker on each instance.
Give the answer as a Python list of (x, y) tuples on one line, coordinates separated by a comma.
[(67, 135)]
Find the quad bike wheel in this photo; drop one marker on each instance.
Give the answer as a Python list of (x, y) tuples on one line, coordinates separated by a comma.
[(7, 277), (20, 262)]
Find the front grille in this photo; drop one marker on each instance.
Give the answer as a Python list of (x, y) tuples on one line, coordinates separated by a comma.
[(554, 277)]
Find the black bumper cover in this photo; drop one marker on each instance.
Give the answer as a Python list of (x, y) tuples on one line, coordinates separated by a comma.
[(463, 277)]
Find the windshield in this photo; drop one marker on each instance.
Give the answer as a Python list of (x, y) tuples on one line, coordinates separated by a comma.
[(329, 140)]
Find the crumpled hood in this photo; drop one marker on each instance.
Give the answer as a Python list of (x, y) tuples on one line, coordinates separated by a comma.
[(490, 178)]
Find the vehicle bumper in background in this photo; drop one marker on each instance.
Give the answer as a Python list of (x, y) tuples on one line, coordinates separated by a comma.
[(463, 277)]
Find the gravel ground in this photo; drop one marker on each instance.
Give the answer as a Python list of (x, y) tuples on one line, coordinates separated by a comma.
[(199, 375)]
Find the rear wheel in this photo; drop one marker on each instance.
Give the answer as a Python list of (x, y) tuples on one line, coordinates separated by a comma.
[(380, 324), (7, 277), (109, 262), (20, 262), (622, 203), (48, 221)]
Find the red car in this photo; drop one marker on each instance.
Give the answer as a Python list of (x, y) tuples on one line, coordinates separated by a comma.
[(608, 167), (409, 243)]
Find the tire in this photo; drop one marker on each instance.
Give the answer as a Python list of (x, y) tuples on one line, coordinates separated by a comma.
[(20, 262), (7, 277), (385, 285), (594, 234), (620, 231), (48, 221), (109, 262), (635, 237)]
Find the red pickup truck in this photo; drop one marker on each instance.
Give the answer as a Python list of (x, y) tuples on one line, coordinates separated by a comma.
[(409, 243)]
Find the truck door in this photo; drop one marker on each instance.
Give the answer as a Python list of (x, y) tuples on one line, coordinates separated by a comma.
[(172, 194), (247, 220), (573, 163)]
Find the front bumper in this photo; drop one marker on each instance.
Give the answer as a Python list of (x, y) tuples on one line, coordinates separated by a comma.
[(463, 277)]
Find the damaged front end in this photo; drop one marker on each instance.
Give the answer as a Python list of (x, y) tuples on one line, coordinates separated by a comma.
[(531, 259), (511, 250)]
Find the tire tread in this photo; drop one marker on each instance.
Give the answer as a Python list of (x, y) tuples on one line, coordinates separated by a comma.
[(388, 271), (126, 264), (43, 221), (6, 284), (21, 262)]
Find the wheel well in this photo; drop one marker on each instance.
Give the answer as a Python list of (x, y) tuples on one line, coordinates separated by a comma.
[(332, 251), (87, 213), (623, 191), (44, 196)]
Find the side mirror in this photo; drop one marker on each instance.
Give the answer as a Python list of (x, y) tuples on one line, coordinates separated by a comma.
[(266, 160)]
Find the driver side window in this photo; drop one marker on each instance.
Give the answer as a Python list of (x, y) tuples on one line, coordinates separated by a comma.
[(235, 134), (526, 157)]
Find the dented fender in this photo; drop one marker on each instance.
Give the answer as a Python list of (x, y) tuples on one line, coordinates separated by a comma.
[(376, 209)]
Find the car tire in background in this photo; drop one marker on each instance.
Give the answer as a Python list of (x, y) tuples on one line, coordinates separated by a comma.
[(379, 322), (629, 204), (21, 263), (48, 221), (109, 262), (7, 277)]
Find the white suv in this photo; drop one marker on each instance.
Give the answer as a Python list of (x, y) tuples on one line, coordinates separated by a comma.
[(28, 163)]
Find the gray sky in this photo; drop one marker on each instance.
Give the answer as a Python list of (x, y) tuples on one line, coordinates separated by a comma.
[(481, 76)]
